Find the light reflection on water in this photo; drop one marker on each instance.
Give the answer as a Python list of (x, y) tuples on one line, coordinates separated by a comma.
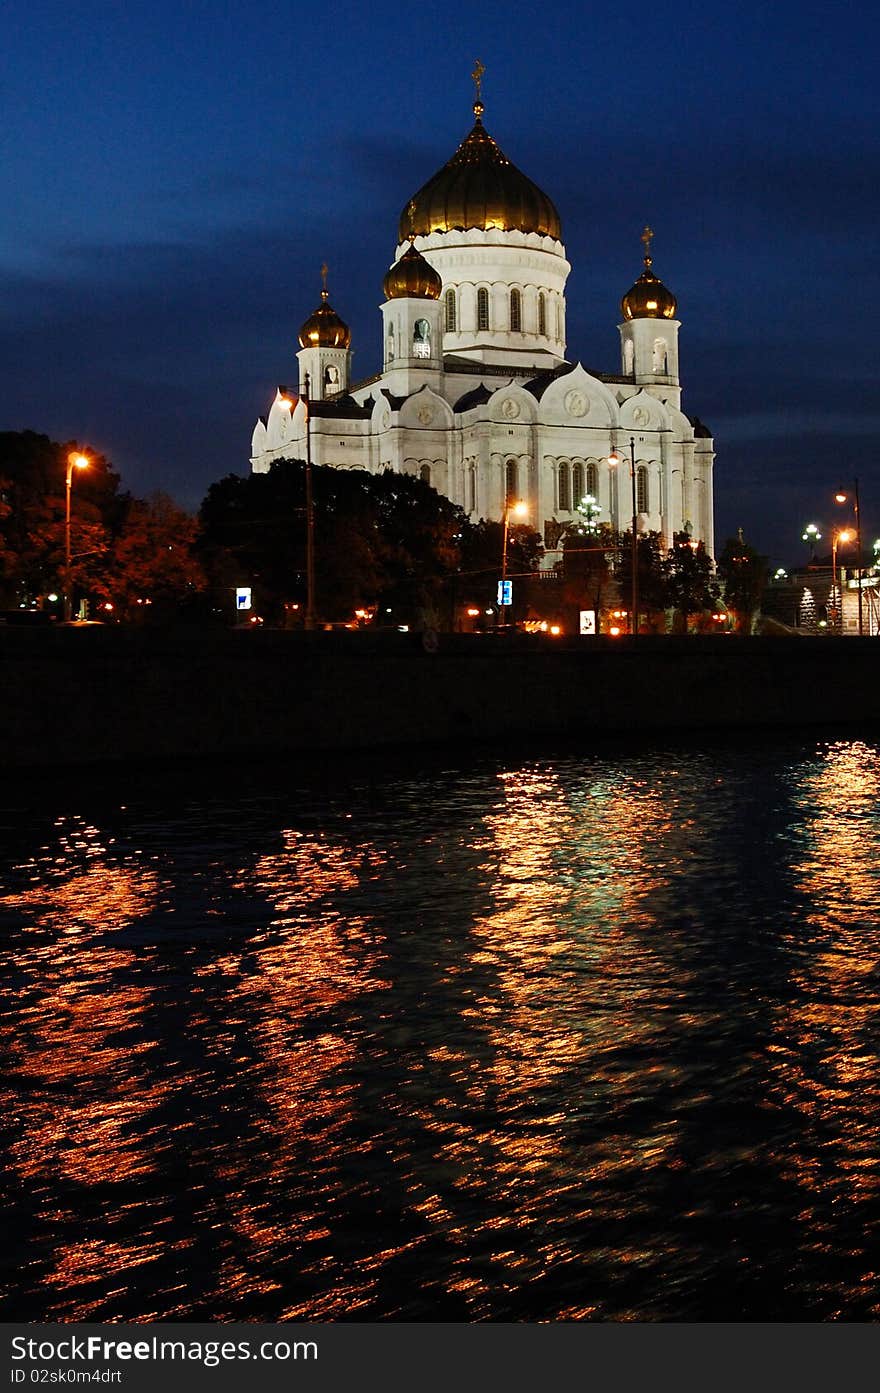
[(570, 1037)]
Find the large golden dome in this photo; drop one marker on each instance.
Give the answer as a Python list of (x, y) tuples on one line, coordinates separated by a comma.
[(324, 328), (479, 187), (649, 297), (412, 277)]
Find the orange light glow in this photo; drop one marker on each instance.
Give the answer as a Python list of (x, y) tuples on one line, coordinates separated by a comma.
[(78, 461), (614, 631), (472, 613), (555, 629)]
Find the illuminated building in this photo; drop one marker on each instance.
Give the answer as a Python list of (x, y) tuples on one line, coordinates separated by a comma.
[(476, 394)]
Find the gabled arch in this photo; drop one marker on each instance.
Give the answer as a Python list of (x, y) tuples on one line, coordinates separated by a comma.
[(593, 404), (523, 409), (643, 412), (425, 410)]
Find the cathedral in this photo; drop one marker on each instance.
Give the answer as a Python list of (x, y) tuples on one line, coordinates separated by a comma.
[(476, 394)]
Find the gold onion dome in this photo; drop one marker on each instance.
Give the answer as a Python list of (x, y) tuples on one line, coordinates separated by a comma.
[(649, 297), (412, 277), (479, 187), (324, 328)]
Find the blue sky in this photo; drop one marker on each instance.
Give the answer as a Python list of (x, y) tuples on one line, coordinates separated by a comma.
[(174, 175)]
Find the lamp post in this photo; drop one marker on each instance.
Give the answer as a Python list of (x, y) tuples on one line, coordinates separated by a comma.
[(843, 497), (616, 458), (520, 510), (811, 535), (310, 506), (837, 536), (74, 461)]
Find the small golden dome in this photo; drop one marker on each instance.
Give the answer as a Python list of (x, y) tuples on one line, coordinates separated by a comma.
[(649, 297), (479, 187), (412, 277), (324, 328)]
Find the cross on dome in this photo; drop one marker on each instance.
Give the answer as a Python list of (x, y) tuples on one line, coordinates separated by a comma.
[(477, 76)]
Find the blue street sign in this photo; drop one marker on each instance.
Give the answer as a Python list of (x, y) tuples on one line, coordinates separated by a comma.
[(505, 592)]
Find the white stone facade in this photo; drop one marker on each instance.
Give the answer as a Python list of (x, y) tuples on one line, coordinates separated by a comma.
[(476, 395)]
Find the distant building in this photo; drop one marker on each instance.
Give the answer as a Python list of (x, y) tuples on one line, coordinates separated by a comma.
[(809, 599), (476, 394)]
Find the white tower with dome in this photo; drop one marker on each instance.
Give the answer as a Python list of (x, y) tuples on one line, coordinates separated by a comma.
[(476, 393)]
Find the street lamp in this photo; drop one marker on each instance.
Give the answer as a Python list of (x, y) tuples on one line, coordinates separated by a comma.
[(519, 510), (811, 535), (838, 536), (74, 461), (287, 404), (842, 496), (616, 458)]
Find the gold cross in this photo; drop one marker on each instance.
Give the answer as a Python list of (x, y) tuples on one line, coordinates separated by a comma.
[(411, 209), (646, 238), (477, 76), (324, 278)]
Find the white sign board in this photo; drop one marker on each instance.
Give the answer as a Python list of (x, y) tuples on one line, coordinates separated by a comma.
[(588, 621), (243, 597)]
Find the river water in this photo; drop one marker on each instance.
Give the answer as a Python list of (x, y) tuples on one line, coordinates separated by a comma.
[(509, 1036)]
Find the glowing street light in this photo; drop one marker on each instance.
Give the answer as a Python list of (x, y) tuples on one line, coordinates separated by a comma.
[(844, 496), (614, 459), (74, 461), (519, 510), (838, 536), (811, 535)]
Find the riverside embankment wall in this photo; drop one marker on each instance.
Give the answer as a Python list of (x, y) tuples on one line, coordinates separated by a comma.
[(92, 694)]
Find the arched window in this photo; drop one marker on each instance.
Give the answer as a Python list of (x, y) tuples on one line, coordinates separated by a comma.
[(577, 483), (515, 311), (628, 357), (421, 339), (558, 321), (472, 490), (450, 311), (425, 473), (331, 377), (660, 356), (542, 313), (511, 492), (592, 480), (482, 308), (641, 489), (565, 488)]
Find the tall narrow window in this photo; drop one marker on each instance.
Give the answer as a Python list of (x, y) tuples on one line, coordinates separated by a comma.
[(558, 321), (628, 357), (425, 473), (450, 311), (565, 488), (511, 482), (472, 490), (389, 352), (641, 489), (660, 356), (515, 311), (592, 480), (542, 314), (482, 308), (421, 339), (577, 481)]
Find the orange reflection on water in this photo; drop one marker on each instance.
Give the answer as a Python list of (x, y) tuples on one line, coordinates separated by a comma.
[(310, 960), (825, 1056), (84, 1092)]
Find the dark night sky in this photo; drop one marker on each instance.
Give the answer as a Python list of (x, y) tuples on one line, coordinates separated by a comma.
[(175, 173)]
